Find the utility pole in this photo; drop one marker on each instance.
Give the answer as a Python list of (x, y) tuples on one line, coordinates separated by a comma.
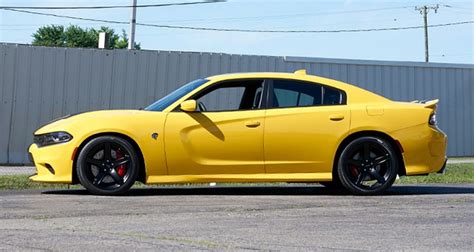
[(133, 22), (424, 11)]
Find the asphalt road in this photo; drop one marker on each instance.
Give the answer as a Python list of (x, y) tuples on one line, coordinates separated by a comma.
[(294, 217)]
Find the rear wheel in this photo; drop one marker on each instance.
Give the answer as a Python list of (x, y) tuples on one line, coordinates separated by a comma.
[(107, 165), (330, 185), (368, 166), (335, 184)]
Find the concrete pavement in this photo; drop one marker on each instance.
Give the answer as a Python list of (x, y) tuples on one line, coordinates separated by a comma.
[(428, 217)]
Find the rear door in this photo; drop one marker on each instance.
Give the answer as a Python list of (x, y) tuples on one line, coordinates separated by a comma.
[(303, 124)]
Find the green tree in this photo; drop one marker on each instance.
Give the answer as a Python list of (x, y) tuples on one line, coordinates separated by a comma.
[(51, 35), (122, 42), (79, 37), (75, 36)]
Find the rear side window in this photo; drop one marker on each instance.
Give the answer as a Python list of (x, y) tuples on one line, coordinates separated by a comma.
[(291, 93), (332, 96)]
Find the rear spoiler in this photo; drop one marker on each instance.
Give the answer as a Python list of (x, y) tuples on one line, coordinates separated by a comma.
[(427, 104)]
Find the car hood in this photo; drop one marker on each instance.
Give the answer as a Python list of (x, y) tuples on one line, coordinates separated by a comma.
[(65, 122)]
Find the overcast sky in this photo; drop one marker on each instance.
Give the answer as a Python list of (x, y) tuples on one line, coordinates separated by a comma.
[(451, 44)]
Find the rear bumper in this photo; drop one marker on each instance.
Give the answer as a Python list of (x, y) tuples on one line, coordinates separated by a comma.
[(424, 149), (443, 168)]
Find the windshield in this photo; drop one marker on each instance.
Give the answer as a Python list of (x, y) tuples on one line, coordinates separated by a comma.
[(164, 102)]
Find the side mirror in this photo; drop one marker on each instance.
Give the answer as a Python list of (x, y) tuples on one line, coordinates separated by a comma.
[(188, 106)]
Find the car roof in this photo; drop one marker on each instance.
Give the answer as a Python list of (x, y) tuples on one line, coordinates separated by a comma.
[(297, 75), (301, 75), (255, 75)]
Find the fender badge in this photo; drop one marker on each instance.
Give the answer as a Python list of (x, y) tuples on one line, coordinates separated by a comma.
[(154, 135)]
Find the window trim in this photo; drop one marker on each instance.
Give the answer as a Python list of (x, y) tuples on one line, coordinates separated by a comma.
[(270, 91), (263, 103)]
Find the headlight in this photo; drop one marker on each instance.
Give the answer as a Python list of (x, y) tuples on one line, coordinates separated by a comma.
[(432, 120), (51, 138)]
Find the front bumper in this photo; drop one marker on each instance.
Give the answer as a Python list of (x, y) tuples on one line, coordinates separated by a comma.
[(53, 163)]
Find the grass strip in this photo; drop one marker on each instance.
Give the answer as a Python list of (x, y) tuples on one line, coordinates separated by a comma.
[(455, 174)]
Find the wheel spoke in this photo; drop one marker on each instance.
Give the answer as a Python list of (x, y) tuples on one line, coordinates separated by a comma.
[(382, 159), (116, 177), (121, 161), (375, 174), (98, 179), (95, 162), (354, 162), (360, 178), (107, 151), (366, 151)]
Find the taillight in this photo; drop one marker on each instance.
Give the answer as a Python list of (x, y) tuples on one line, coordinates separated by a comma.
[(432, 121)]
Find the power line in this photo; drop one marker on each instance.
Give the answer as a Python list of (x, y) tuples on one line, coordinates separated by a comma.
[(69, 17), (462, 12), (106, 6), (293, 15), (302, 31), (284, 15), (456, 7), (243, 30), (304, 14), (352, 22), (454, 54)]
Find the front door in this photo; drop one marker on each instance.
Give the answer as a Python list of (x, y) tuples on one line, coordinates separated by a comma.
[(224, 135)]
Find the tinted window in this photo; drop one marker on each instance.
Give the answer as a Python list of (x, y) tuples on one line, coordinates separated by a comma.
[(332, 96), (164, 102), (231, 96), (289, 93)]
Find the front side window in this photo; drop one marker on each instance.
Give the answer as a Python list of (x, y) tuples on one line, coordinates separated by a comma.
[(291, 93), (166, 101), (231, 96)]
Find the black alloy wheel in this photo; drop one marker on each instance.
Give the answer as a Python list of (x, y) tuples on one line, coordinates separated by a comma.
[(335, 184), (107, 165), (368, 166)]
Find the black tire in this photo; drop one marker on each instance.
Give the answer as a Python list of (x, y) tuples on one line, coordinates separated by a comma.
[(368, 166), (107, 174), (335, 184)]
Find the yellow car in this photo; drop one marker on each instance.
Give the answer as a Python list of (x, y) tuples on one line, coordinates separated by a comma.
[(246, 127)]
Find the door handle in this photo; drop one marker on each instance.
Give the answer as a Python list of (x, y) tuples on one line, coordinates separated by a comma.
[(252, 124), (336, 117)]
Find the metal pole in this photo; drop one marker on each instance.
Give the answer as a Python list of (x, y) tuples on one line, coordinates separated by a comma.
[(425, 17), (133, 21), (424, 11)]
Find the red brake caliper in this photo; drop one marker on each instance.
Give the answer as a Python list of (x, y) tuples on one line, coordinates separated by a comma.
[(121, 169), (354, 170)]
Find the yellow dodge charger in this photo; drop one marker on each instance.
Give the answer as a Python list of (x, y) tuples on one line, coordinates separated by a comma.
[(246, 127)]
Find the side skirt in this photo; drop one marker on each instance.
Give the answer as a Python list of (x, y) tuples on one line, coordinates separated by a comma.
[(259, 177)]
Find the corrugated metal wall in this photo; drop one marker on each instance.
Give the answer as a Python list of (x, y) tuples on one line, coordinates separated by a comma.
[(38, 84)]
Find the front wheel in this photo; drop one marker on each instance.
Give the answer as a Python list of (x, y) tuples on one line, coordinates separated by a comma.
[(107, 165), (368, 166)]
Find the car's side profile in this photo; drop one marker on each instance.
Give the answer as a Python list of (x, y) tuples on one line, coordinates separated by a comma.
[(246, 127)]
